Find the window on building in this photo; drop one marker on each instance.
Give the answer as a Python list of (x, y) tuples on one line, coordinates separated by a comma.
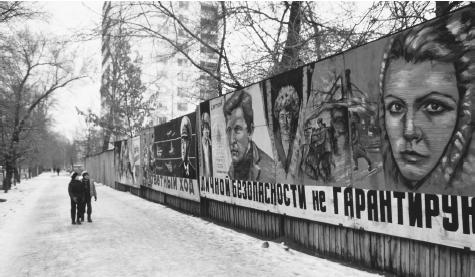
[(182, 92), (181, 33), (209, 37), (208, 65), (206, 50), (162, 107), (162, 119), (208, 9), (208, 25), (183, 4), (181, 76), (182, 18), (182, 106)]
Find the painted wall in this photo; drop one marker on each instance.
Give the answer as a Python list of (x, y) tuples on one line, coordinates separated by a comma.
[(170, 157), (378, 138), (127, 161)]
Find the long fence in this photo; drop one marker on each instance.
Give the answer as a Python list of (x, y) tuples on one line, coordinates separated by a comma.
[(367, 156)]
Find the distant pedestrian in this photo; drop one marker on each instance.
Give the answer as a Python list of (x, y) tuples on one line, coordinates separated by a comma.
[(76, 193), (90, 191)]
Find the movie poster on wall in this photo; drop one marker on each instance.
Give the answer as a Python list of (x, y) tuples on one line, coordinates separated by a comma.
[(146, 155), (241, 147), (221, 156), (174, 158), (125, 160), (308, 121), (135, 161), (389, 138), (422, 110)]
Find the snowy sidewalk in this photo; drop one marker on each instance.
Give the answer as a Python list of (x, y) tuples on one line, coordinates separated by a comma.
[(133, 237)]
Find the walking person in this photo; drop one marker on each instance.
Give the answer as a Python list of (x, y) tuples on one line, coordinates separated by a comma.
[(76, 193), (90, 191)]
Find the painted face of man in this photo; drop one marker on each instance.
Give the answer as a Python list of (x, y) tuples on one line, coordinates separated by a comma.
[(169, 166), (238, 133), (420, 105), (284, 122), (185, 146)]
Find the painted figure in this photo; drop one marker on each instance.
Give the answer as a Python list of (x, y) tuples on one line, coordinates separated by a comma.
[(248, 161), (427, 81), (206, 144), (286, 111), (320, 156), (185, 169), (358, 150), (306, 166)]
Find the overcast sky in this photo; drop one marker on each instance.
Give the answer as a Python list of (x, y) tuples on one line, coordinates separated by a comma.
[(66, 19)]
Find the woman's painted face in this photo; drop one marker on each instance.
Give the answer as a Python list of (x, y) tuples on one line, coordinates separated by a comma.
[(420, 108)]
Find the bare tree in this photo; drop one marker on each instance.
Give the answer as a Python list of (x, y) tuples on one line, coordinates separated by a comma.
[(33, 69), (10, 10), (275, 36)]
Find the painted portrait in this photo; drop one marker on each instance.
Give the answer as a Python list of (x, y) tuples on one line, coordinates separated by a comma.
[(185, 168), (427, 84), (205, 143), (322, 151), (146, 155), (286, 99), (248, 161)]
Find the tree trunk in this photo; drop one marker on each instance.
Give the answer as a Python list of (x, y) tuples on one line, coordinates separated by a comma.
[(7, 182), (290, 55), (108, 132), (10, 161)]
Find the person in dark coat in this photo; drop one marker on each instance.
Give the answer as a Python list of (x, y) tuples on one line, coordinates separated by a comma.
[(76, 193), (89, 192)]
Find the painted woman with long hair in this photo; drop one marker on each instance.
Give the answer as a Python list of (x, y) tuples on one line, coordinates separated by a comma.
[(427, 89)]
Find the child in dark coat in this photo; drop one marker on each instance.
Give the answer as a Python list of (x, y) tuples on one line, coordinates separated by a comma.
[(77, 194)]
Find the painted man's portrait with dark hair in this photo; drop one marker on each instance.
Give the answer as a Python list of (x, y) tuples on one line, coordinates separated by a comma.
[(248, 161)]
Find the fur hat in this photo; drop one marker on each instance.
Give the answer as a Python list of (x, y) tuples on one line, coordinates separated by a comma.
[(74, 174)]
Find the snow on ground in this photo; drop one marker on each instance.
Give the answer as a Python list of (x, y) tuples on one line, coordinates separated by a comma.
[(133, 237)]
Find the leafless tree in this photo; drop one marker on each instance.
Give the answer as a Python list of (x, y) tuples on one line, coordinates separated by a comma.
[(33, 68), (10, 10)]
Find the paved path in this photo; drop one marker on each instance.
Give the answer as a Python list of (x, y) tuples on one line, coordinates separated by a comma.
[(132, 237)]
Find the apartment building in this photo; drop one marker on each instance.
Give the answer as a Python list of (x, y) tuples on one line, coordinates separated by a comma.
[(176, 84)]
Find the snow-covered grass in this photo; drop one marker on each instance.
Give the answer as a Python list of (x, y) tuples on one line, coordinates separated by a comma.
[(133, 237)]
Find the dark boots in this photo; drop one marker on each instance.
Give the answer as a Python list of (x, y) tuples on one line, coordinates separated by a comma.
[(89, 218)]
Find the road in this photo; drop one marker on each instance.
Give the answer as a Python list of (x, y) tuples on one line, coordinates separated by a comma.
[(132, 237)]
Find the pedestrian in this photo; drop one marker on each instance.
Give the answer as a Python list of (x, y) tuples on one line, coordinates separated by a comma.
[(76, 193), (90, 191)]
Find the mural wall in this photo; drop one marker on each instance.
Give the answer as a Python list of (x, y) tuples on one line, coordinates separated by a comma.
[(170, 157), (127, 161), (378, 138)]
